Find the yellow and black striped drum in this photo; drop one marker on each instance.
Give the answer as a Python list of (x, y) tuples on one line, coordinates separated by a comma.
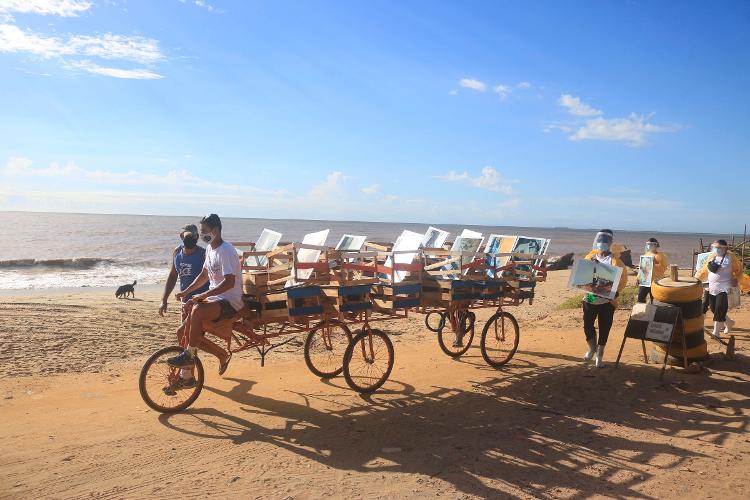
[(687, 294)]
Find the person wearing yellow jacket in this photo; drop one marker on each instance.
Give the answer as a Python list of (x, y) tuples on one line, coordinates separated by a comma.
[(600, 308), (661, 263), (722, 270)]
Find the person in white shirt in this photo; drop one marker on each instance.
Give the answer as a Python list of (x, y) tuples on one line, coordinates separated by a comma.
[(721, 271), (221, 301)]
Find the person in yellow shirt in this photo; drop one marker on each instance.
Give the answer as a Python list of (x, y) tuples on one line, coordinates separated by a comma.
[(722, 270), (599, 308), (661, 263)]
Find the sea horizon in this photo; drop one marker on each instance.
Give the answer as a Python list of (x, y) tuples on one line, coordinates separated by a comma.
[(433, 223), (67, 249)]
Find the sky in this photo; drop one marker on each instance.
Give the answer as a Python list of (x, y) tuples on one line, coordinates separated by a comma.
[(585, 114)]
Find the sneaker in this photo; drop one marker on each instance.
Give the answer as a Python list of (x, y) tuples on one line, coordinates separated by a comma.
[(184, 360)]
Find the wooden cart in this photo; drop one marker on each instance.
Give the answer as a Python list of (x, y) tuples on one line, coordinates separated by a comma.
[(285, 297), (456, 283)]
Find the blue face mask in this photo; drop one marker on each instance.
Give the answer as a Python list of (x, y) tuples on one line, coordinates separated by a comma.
[(601, 246)]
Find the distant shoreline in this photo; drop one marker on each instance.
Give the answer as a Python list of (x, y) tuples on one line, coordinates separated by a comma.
[(433, 223)]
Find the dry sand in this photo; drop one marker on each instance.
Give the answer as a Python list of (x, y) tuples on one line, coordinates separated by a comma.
[(546, 425)]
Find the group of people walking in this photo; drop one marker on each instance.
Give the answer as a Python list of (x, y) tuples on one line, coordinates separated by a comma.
[(721, 271)]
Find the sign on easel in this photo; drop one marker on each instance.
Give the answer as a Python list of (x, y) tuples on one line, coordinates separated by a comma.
[(655, 324)]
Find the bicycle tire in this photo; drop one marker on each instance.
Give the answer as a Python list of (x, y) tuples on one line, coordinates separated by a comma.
[(150, 363)]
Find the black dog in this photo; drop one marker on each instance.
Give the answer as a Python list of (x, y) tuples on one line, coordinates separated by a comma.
[(124, 290)]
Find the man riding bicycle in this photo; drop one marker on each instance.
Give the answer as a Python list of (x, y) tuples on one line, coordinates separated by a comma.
[(221, 301)]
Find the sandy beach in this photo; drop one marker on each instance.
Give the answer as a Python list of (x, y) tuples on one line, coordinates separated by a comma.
[(546, 425)]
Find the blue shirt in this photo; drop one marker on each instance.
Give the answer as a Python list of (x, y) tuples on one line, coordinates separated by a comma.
[(188, 268)]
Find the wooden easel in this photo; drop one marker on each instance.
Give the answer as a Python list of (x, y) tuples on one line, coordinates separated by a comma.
[(678, 323)]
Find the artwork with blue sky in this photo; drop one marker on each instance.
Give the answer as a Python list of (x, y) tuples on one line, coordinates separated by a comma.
[(627, 114)]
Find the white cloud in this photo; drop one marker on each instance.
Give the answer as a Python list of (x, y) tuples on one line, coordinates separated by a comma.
[(108, 46), (69, 187), (63, 8), (454, 176), (490, 179), (23, 167), (132, 74), (453, 92), (330, 188), (556, 126), (575, 106), (136, 49), (205, 5), (469, 83), (371, 189), (502, 90), (631, 130)]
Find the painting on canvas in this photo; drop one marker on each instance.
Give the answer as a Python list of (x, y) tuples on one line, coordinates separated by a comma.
[(529, 245), (464, 244), (700, 260), (350, 243), (434, 238), (595, 278), (500, 243), (645, 270), (267, 241), (309, 255), (408, 240)]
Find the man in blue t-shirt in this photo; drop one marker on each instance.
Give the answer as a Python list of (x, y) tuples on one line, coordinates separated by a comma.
[(187, 263)]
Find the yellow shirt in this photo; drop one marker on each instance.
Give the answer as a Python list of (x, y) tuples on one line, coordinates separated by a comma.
[(661, 264)]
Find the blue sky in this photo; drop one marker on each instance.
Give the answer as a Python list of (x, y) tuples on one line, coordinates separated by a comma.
[(631, 114)]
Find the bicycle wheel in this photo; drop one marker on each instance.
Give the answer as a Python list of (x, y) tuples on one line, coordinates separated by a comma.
[(325, 346), (456, 343), (499, 340), (161, 386), (440, 324), (368, 360)]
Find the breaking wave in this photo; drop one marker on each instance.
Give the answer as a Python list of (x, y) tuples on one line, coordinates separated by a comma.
[(75, 263)]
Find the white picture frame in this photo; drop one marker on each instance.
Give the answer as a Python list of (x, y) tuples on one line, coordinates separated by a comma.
[(267, 241), (595, 277)]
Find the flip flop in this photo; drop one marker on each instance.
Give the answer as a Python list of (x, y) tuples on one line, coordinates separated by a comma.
[(223, 365)]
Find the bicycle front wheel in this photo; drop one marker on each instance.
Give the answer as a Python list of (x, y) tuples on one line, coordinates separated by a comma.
[(368, 360), (325, 347), (500, 338), (163, 388)]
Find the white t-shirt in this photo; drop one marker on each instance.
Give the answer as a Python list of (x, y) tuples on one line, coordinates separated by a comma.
[(720, 281), (220, 262)]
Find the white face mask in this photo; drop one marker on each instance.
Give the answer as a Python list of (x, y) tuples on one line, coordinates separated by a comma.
[(207, 237), (720, 251), (651, 247)]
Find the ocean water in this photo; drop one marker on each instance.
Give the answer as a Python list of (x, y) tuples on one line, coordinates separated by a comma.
[(53, 250)]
